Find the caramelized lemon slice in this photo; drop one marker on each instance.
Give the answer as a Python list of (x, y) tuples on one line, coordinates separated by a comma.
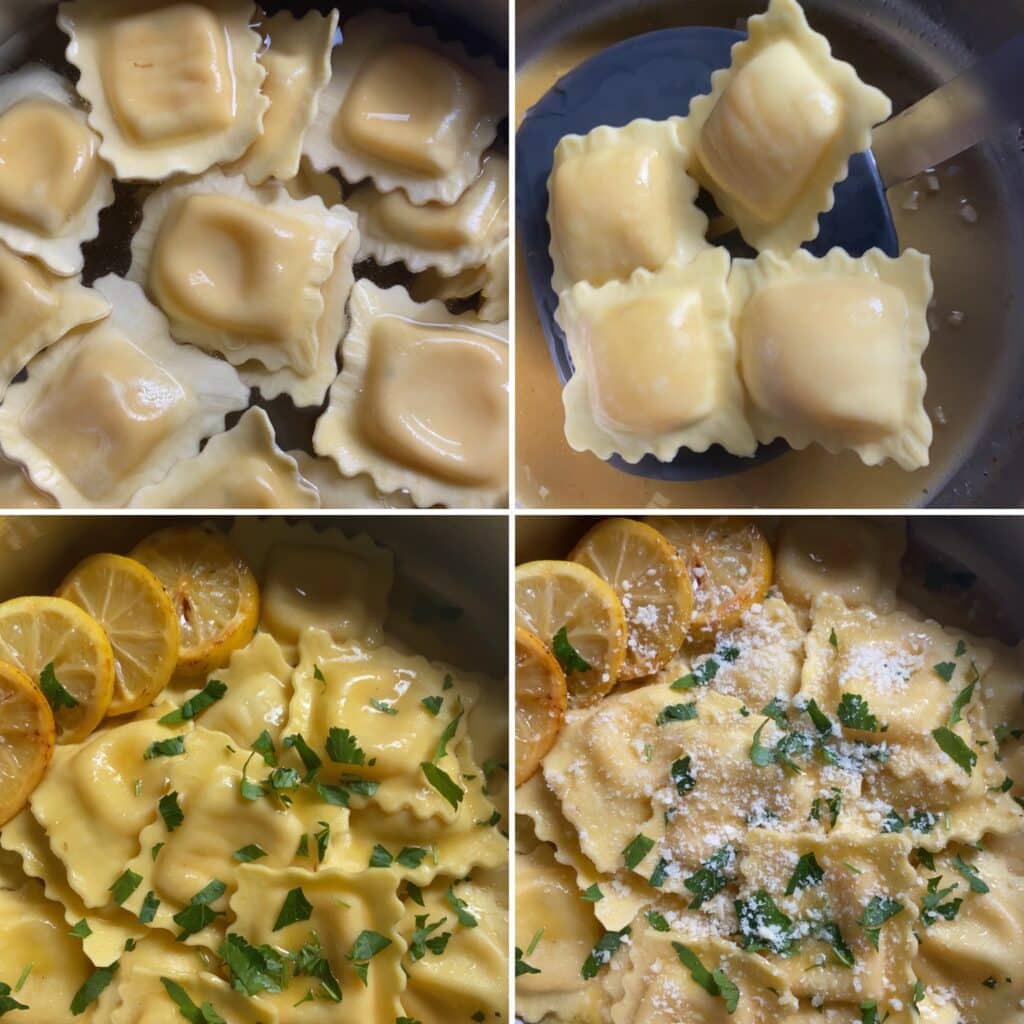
[(730, 566), (133, 608), (652, 583), (65, 652), (540, 703), (212, 589), (580, 619), (27, 735)]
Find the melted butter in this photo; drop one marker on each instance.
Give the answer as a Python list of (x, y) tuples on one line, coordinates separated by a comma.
[(108, 407), (26, 300), (769, 130), (436, 226), (550, 474), (436, 399), (652, 370), (49, 165), (229, 264), (167, 74), (412, 107), (830, 353)]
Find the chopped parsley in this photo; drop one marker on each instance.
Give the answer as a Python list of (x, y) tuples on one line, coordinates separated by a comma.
[(81, 930), (682, 776), (932, 905), (833, 639), (568, 657), (7, 1001), (174, 747), (254, 969), (677, 713), (522, 967), (171, 811), (367, 945), (659, 874), (638, 848), (125, 886), (807, 872), (763, 927), (343, 747), (307, 755), (204, 1014), (310, 962), (447, 736), (411, 856), (657, 921), (199, 914), (385, 707), (970, 874), (249, 853), (302, 850), (433, 704), (323, 840), (954, 747), (150, 905), (711, 877), (264, 746), (423, 939), (461, 908), (55, 694), (833, 805), (700, 676), (829, 932), (854, 713), (963, 698), (869, 1013), (776, 710), (443, 783), (761, 755), (878, 910), (380, 858), (592, 894), (295, 908), (93, 988), (605, 948), (715, 983), (945, 669), (821, 721), (195, 706)]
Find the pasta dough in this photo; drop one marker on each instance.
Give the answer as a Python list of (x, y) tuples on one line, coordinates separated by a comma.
[(775, 134), (422, 401), (53, 183), (830, 351), (241, 468), (112, 410), (654, 364), (174, 87), (620, 198), (406, 110)]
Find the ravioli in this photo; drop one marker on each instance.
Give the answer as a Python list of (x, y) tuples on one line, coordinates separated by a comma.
[(246, 273), (830, 351), (422, 401), (53, 182), (775, 134), (621, 199), (338, 491), (448, 239), (654, 364), (113, 409), (174, 87), (406, 109), (241, 468)]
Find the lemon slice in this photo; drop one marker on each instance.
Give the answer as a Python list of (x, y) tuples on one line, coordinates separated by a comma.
[(212, 589), (579, 617), (27, 735), (133, 608), (39, 632), (730, 566), (653, 586), (540, 703)]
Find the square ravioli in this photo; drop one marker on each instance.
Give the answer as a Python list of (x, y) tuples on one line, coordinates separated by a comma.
[(422, 401), (111, 410), (776, 133), (406, 109), (449, 239), (655, 363), (619, 199), (252, 274), (37, 309), (830, 351), (298, 66), (53, 182), (832, 944), (174, 87), (241, 468)]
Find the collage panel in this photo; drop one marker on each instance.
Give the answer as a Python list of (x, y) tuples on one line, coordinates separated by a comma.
[(254, 256), (769, 769), (254, 770), (769, 254)]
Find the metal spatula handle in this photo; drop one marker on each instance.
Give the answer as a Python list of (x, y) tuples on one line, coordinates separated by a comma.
[(978, 104)]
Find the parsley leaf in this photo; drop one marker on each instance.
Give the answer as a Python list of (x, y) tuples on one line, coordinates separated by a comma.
[(682, 776), (411, 856), (775, 709), (821, 721), (173, 747), (310, 759), (447, 736), (385, 707), (199, 914), (963, 698), (310, 962), (323, 840), (711, 877), (367, 945), (380, 858), (7, 1001), (657, 921), (763, 926), (954, 747), (522, 967), (568, 657), (635, 852), (878, 910), (443, 783), (970, 874), (249, 853), (761, 755), (677, 713), (433, 704), (204, 1014), (715, 983), (945, 669), (125, 886), (807, 872), (343, 747), (593, 894), (93, 988), (854, 713), (932, 907), (606, 947), (659, 874), (423, 940), (55, 694), (264, 746), (170, 811), (461, 908), (295, 908), (81, 930), (254, 969), (195, 706)]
